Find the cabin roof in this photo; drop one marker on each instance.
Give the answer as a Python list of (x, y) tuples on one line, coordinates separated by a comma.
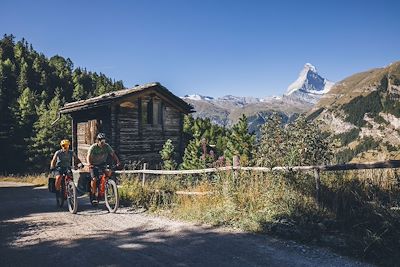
[(108, 98)]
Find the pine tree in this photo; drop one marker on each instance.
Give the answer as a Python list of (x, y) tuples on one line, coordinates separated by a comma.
[(47, 136), (25, 112), (240, 143), (23, 76), (272, 146), (167, 155), (27, 79), (192, 155), (8, 95)]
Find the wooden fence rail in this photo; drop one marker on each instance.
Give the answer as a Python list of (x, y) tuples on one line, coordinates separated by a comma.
[(317, 169), (338, 167)]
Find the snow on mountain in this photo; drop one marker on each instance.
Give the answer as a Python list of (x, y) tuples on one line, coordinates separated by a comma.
[(198, 97), (301, 95), (237, 100), (309, 86)]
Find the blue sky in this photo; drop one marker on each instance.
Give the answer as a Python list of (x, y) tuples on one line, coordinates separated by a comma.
[(244, 48)]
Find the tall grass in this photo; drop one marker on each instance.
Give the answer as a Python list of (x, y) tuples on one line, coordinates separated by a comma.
[(358, 212), (35, 179)]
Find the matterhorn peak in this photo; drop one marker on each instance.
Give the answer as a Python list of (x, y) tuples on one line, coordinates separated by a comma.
[(309, 86), (309, 67)]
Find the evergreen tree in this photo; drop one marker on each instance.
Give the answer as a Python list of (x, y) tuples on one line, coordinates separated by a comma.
[(168, 155), (47, 136), (26, 116), (192, 155), (8, 94), (240, 143), (28, 79), (272, 146)]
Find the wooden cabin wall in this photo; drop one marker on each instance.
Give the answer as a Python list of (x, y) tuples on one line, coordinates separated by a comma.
[(140, 141), (88, 125)]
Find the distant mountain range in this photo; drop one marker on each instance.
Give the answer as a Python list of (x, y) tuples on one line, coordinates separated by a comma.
[(362, 111), (300, 97)]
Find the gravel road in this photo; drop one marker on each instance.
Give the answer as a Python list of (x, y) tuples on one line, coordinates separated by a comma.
[(34, 232)]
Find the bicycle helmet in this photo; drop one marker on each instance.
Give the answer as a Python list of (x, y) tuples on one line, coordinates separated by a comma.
[(101, 136), (64, 143)]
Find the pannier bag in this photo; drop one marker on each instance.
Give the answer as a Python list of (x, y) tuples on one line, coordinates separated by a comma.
[(52, 185)]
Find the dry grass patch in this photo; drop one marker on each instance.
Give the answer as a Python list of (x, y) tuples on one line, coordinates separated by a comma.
[(35, 179)]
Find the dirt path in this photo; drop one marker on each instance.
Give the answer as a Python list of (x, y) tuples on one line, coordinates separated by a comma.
[(33, 232)]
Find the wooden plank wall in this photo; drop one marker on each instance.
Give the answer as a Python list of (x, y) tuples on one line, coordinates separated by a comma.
[(142, 141), (88, 125)]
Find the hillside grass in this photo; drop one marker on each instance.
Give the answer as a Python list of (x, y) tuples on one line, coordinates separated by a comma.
[(358, 214), (35, 179)]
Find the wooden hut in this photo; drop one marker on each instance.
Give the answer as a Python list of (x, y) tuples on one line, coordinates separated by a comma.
[(137, 122)]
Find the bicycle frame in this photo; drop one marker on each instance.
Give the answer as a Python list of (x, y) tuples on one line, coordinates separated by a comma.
[(66, 177), (101, 181)]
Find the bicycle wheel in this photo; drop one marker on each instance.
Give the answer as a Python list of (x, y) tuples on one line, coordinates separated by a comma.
[(111, 196), (72, 198), (60, 195)]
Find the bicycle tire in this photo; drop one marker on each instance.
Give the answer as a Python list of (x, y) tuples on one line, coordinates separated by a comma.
[(72, 198), (111, 196)]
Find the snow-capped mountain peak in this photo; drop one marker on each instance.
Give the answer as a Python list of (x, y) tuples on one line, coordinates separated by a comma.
[(198, 97), (309, 85)]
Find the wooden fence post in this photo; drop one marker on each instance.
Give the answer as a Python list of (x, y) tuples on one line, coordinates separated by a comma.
[(144, 175), (235, 163), (317, 185)]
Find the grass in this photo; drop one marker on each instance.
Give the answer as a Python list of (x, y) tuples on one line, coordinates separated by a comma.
[(36, 179), (358, 213)]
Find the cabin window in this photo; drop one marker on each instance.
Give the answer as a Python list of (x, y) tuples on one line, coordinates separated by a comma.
[(152, 112), (157, 113)]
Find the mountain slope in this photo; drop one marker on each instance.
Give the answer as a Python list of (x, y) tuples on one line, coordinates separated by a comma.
[(363, 111)]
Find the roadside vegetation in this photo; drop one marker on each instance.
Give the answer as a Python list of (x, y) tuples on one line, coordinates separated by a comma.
[(38, 180), (358, 213)]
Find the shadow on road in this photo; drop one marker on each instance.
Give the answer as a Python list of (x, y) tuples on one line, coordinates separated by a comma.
[(148, 244)]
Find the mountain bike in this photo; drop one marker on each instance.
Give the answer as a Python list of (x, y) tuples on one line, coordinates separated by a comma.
[(106, 188), (67, 192)]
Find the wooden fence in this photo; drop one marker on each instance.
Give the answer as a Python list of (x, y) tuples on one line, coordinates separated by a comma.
[(316, 169)]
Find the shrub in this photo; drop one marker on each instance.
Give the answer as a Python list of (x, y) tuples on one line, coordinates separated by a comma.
[(299, 143)]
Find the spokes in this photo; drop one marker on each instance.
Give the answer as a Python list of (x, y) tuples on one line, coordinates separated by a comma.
[(111, 196)]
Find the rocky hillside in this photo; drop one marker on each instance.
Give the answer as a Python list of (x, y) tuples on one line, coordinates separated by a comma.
[(363, 111)]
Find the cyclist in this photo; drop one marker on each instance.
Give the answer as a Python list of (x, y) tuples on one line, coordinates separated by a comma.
[(97, 159), (62, 162)]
